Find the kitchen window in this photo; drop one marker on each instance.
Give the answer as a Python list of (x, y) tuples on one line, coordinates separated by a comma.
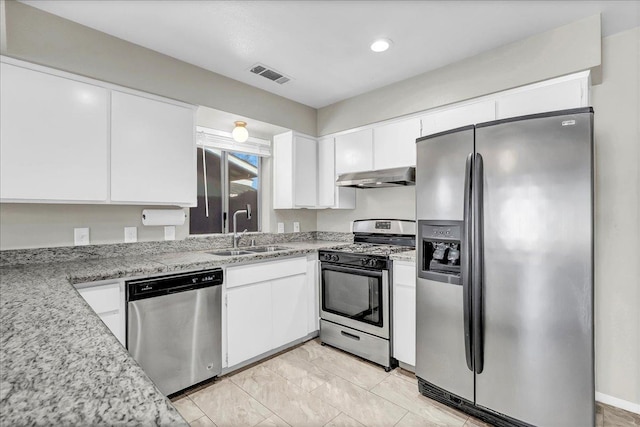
[(228, 179)]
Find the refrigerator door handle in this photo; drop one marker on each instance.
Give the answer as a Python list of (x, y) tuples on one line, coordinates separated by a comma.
[(465, 262), (477, 266)]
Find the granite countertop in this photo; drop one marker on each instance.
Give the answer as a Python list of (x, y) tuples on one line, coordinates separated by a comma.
[(60, 365), (404, 256)]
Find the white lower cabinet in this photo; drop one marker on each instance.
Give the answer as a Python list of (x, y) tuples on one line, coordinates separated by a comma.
[(107, 299), (248, 322), (289, 305), (404, 312), (267, 306)]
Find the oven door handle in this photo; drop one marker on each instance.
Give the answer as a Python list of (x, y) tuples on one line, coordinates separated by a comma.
[(352, 270)]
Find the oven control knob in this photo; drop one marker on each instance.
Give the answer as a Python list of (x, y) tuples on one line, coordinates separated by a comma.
[(335, 257), (327, 257), (364, 261)]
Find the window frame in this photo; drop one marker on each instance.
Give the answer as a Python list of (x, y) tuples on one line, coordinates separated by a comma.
[(227, 146)]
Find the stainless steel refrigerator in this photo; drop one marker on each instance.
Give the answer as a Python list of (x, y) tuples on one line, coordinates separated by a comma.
[(505, 269)]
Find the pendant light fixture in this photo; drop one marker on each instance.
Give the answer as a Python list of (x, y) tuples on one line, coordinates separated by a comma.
[(240, 133)]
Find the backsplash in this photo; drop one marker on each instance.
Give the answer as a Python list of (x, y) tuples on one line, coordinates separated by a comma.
[(78, 253)]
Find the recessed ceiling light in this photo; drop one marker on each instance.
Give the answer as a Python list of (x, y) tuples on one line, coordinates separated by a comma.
[(380, 45)]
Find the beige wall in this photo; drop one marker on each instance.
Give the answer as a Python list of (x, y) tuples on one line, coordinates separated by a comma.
[(393, 202), (30, 225), (616, 103), (565, 50)]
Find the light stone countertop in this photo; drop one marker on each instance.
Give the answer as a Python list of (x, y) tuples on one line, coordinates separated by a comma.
[(60, 365), (409, 256)]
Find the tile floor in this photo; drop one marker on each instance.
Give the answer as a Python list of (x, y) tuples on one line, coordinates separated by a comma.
[(314, 385)]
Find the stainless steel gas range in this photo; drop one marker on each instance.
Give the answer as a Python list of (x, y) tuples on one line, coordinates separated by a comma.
[(355, 291)]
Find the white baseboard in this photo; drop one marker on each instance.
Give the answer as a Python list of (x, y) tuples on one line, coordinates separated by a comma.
[(618, 403)]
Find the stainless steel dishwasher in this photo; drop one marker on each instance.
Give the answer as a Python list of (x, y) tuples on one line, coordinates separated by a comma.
[(174, 327)]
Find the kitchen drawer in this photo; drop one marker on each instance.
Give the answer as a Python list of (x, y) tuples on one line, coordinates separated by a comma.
[(102, 298), (265, 271), (404, 274), (359, 343)]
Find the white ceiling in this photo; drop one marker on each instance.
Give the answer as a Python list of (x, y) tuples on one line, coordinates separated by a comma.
[(324, 45)]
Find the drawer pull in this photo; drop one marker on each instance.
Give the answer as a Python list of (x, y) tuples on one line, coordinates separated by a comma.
[(348, 335)]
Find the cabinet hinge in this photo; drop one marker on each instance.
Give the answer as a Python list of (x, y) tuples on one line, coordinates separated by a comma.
[(226, 300), (226, 359)]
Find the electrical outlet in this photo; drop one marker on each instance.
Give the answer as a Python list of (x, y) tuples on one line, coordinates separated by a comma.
[(281, 227), (296, 227), (170, 232), (130, 234), (80, 236)]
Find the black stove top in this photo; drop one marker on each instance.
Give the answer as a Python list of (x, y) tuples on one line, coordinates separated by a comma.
[(374, 241)]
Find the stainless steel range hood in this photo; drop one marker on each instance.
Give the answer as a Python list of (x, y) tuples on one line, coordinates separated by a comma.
[(396, 177)]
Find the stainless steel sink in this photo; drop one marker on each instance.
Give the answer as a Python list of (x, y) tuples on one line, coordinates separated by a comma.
[(230, 253), (267, 249)]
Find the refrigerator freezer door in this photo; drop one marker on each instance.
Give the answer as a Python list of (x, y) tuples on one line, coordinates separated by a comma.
[(440, 174), (440, 339), (440, 352), (538, 270)]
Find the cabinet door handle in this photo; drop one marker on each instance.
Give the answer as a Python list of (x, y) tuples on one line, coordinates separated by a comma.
[(348, 335)]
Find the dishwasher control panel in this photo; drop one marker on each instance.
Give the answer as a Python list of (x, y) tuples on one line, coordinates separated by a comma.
[(167, 284)]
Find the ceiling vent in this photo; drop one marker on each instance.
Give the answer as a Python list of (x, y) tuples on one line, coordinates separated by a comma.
[(266, 72)]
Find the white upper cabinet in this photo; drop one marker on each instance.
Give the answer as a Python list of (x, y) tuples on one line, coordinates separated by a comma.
[(53, 138), (455, 117), (70, 139), (152, 151), (330, 195), (326, 173), (563, 94), (354, 151), (394, 145), (295, 177)]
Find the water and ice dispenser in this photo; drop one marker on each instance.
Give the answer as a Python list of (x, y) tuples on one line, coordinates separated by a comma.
[(439, 246)]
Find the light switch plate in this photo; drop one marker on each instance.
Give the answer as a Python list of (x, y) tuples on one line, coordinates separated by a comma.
[(130, 234), (80, 236), (170, 232), (296, 227), (281, 227)]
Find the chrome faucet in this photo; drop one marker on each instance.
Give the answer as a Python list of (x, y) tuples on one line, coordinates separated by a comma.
[(236, 236)]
